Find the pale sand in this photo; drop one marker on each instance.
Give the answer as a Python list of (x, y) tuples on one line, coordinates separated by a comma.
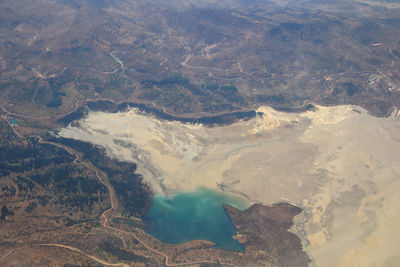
[(341, 166)]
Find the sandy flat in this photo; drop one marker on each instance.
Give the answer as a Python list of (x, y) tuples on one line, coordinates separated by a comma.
[(340, 164)]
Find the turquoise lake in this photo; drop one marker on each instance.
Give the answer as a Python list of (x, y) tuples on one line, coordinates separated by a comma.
[(13, 121), (193, 216)]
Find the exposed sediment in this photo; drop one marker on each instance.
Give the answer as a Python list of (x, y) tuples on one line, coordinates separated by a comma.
[(339, 164)]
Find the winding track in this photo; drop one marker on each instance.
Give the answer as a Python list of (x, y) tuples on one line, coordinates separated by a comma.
[(69, 248), (104, 216)]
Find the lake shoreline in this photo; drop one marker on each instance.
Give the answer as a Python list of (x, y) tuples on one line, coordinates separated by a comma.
[(195, 215), (111, 107)]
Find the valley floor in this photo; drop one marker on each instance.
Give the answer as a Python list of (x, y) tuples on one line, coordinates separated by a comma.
[(339, 164)]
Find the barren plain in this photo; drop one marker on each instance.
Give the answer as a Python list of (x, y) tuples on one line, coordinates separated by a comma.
[(205, 61), (339, 164)]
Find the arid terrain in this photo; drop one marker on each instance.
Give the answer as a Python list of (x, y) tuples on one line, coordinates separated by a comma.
[(289, 104), (323, 161), (198, 56)]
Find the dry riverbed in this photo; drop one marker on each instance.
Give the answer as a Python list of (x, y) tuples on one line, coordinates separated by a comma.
[(339, 164)]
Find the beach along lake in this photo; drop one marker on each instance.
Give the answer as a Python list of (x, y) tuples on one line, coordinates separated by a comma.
[(197, 215)]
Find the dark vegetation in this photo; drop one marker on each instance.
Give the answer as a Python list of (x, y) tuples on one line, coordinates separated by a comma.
[(108, 106), (179, 58), (266, 229), (171, 83), (220, 57), (44, 195), (350, 88), (178, 93), (306, 107), (4, 212), (133, 194), (16, 158), (227, 118), (44, 175), (55, 86), (76, 115)]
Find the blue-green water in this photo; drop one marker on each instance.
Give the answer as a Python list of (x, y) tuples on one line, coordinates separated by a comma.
[(193, 216), (13, 121)]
